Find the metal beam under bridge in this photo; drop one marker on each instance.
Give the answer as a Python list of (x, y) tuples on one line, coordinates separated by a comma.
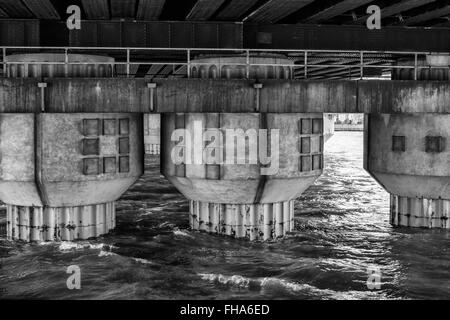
[(205, 34)]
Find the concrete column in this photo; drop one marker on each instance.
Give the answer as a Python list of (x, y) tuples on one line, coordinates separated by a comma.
[(251, 221), (60, 174), (248, 191), (328, 126), (60, 224), (408, 154)]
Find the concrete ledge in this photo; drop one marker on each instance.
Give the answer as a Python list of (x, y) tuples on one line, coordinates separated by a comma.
[(19, 95), (403, 96), (232, 96), (309, 96)]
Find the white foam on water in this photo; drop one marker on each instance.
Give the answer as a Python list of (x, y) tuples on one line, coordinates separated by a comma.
[(270, 282), (107, 254), (236, 280), (73, 246), (143, 261), (48, 243), (182, 233)]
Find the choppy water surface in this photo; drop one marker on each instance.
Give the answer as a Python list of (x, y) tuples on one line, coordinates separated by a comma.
[(342, 228)]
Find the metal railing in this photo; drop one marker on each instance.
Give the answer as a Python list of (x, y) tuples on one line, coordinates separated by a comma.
[(305, 63)]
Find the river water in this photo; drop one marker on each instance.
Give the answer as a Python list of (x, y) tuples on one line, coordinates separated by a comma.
[(342, 233)]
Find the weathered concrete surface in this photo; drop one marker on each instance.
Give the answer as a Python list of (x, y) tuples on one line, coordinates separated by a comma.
[(61, 172), (414, 172), (309, 96), (105, 95), (414, 160), (420, 213), (205, 95), (408, 154), (60, 224), (42, 160), (19, 95), (243, 183), (251, 221), (28, 66), (263, 66), (17, 165), (403, 97), (61, 161), (97, 95)]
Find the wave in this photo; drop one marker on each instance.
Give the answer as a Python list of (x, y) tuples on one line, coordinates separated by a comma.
[(240, 281), (107, 254), (143, 261), (235, 280), (71, 246), (182, 233), (294, 287)]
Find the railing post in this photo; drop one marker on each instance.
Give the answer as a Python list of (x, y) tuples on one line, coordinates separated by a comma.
[(5, 71), (66, 62), (188, 63), (306, 64), (128, 63), (416, 64), (247, 71), (361, 70)]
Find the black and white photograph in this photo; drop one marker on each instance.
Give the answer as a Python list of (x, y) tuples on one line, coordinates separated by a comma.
[(224, 158)]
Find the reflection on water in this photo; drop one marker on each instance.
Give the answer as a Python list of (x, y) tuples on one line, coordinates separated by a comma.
[(342, 228)]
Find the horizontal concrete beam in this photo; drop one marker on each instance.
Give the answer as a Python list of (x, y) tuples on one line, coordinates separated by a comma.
[(404, 96), (234, 96)]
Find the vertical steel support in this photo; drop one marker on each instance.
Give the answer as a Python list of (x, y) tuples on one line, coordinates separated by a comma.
[(42, 86), (258, 87), (152, 87)]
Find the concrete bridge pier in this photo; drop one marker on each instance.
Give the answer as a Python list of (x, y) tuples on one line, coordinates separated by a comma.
[(242, 172), (409, 155), (60, 174)]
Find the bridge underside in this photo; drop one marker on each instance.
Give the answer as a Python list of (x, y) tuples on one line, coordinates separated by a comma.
[(71, 104), (430, 13)]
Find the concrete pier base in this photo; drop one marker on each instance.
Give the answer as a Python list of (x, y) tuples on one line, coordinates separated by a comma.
[(420, 212), (60, 224), (242, 171), (251, 221), (60, 173), (408, 154)]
